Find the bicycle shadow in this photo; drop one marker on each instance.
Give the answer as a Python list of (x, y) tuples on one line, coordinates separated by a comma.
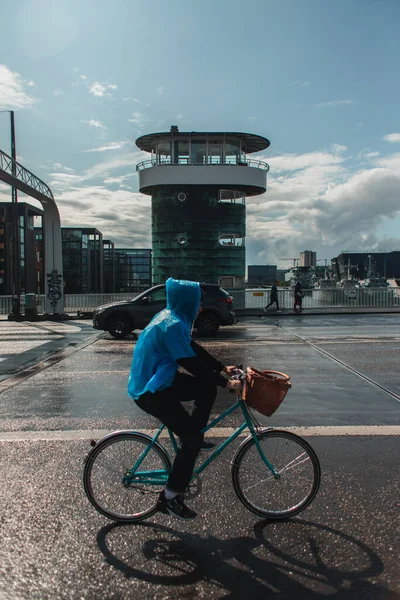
[(300, 567)]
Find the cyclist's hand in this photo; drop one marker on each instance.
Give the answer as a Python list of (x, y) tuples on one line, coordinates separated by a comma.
[(230, 370), (234, 385)]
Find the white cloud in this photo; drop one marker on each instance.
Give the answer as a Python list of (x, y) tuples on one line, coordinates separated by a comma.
[(111, 146), (12, 93), (118, 180), (95, 123), (101, 89), (392, 138), (314, 201), (367, 153), (160, 90), (84, 77), (63, 168), (338, 149), (138, 119), (63, 181), (136, 100), (294, 162), (58, 92), (333, 103), (121, 215), (301, 84), (322, 205), (390, 162)]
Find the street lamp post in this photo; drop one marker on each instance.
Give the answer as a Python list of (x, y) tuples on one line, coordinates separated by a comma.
[(15, 278)]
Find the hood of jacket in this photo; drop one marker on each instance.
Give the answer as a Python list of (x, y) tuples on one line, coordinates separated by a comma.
[(183, 298)]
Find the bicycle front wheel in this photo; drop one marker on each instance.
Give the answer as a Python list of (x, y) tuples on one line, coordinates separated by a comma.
[(114, 488), (298, 468)]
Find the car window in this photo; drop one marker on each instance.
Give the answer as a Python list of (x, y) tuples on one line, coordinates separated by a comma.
[(157, 296), (212, 292)]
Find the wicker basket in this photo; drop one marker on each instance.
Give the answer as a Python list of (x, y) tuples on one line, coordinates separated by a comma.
[(265, 390)]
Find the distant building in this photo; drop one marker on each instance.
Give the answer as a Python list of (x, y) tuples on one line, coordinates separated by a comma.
[(261, 274), (82, 250), (387, 264), (109, 266), (280, 274), (132, 269), (29, 268), (308, 258)]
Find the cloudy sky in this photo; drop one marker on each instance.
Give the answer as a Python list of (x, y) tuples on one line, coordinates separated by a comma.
[(319, 78)]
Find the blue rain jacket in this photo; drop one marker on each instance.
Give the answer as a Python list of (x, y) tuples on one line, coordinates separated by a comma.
[(165, 340)]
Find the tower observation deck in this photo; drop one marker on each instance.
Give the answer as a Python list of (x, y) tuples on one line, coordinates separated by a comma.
[(198, 182)]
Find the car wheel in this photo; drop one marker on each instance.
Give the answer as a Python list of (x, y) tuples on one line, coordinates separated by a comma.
[(119, 326), (207, 324)]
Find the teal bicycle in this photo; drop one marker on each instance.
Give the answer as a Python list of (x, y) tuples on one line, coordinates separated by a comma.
[(275, 473)]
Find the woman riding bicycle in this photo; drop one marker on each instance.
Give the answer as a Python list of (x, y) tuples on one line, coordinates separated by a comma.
[(159, 388)]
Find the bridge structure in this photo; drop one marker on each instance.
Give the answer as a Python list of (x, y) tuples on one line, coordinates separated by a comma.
[(17, 176)]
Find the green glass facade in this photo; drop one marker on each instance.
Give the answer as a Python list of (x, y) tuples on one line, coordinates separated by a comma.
[(198, 233)]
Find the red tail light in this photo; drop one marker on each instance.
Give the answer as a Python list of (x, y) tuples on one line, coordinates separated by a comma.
[(226, 300)]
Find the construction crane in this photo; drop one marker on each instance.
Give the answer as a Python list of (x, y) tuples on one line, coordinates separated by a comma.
[(295, 260)]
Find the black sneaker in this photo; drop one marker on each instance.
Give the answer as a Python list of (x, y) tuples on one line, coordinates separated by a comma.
[(175, 507)]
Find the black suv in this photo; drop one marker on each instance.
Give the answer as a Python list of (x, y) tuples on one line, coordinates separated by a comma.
[(120, 318)]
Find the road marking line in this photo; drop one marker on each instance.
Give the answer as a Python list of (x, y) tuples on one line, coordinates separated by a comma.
[(343, 364), (217, 432)]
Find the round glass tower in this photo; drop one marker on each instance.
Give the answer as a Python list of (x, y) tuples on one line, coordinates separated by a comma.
[(198, 183)]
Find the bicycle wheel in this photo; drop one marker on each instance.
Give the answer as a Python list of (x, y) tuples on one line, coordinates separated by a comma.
[(108, 481), (299, 474)]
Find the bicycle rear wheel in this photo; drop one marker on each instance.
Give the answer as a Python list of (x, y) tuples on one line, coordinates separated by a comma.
[(111, 486), (299, 475)]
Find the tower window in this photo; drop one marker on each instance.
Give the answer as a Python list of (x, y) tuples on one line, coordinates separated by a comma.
[(231, 240), (182, 240), (232, 196)]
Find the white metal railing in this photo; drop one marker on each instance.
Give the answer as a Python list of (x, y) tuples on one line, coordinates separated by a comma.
[(321, 298), (250, 298), (146, 164)]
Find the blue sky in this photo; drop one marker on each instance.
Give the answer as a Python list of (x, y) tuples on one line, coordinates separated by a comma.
[(320, 79)]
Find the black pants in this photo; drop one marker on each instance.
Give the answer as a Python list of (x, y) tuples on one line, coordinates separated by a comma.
[(166, 406), (273, 300)]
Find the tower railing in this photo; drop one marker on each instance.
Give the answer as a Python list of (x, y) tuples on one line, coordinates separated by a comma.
[(155, 162)]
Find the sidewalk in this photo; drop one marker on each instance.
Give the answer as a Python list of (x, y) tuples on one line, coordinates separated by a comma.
[(23, 344), (288, 312)]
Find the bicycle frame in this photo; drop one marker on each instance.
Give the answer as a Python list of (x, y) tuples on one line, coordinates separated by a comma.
[(159, 477)]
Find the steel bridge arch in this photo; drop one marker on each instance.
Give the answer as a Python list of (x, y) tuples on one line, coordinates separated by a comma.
[(15, 175)]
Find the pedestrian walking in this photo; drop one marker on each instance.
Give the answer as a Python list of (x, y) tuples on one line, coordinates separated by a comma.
[(273, 298), (298, 297)]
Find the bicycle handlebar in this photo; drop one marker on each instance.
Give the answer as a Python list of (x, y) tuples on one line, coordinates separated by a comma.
[(238, 375)]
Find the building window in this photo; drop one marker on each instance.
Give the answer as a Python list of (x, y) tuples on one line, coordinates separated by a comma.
[(182, 240), (215, 153), (232, 153), (181, 152), (164, 152), (232, 196), (198, 152), (231, 239)]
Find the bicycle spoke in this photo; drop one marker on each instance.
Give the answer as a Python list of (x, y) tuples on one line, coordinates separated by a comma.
[(298, 474), (106, 477)]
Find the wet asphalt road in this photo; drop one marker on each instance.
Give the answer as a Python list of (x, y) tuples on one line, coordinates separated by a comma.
[(344, 372)]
